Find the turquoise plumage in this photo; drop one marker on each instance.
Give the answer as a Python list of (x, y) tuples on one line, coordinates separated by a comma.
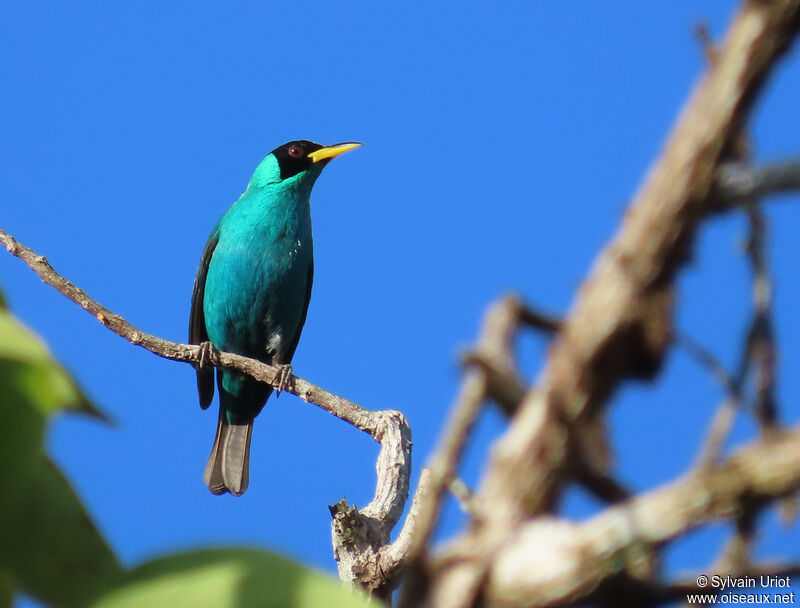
[(251, 295)]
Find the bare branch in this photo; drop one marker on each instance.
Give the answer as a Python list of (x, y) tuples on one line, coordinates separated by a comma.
[(393, 558), (648, 594), (496, 337), (551, 561), (703, 35), (758, 351), (708, 360), (759, 354), (619, 326), (761, 337), (361, 418), (503, 384), (496, 359), (739, 184), (725, 415), (600, 483), (721, 425), (539, 320), (463, 495), (500, 323), (358, 536), (605, 336), (361, 537)]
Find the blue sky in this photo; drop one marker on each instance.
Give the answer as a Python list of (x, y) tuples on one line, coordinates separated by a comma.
[(502, 143)]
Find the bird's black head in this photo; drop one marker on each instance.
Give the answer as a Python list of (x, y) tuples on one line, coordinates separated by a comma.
[(293, 157), (297, 156)]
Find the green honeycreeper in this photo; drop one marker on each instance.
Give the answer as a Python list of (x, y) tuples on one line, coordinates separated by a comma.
[(251, 295)]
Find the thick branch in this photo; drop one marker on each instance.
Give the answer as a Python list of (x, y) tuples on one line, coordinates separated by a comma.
[(551, 561), (605, 336), (619, 326)]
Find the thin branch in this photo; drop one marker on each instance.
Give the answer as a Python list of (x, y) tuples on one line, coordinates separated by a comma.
[(600, 483), (503, 384), (759, 354), (718, 432), (735, 557), (539, 320), (500, 323), (725, 415), (463, 495), (497, 361), (758, 351), (358, 535), (363, 419), (730, 383), (761, 338), (739, 184)]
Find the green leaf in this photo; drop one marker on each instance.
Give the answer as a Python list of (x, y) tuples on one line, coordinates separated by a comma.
[(28, 370), (49, 548), (232, 578), (6, 590)]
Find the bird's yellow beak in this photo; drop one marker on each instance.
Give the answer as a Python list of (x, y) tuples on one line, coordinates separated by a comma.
[(333, 151)]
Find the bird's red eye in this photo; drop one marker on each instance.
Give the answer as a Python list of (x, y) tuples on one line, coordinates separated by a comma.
[(295, 151)]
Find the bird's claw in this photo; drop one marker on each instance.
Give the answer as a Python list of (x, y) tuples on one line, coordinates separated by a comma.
[(207, 353), (284, 373)]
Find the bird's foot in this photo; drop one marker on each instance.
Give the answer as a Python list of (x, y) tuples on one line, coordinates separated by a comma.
[(207, 354), (284, 373)]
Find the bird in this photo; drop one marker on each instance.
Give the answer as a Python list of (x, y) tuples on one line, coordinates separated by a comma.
[(251, 296)]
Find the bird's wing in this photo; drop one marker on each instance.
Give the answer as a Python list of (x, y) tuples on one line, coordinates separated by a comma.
[(296, 337), (197, 321)]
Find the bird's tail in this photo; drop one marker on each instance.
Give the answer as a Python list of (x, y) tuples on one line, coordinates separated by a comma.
[(228, 468)]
